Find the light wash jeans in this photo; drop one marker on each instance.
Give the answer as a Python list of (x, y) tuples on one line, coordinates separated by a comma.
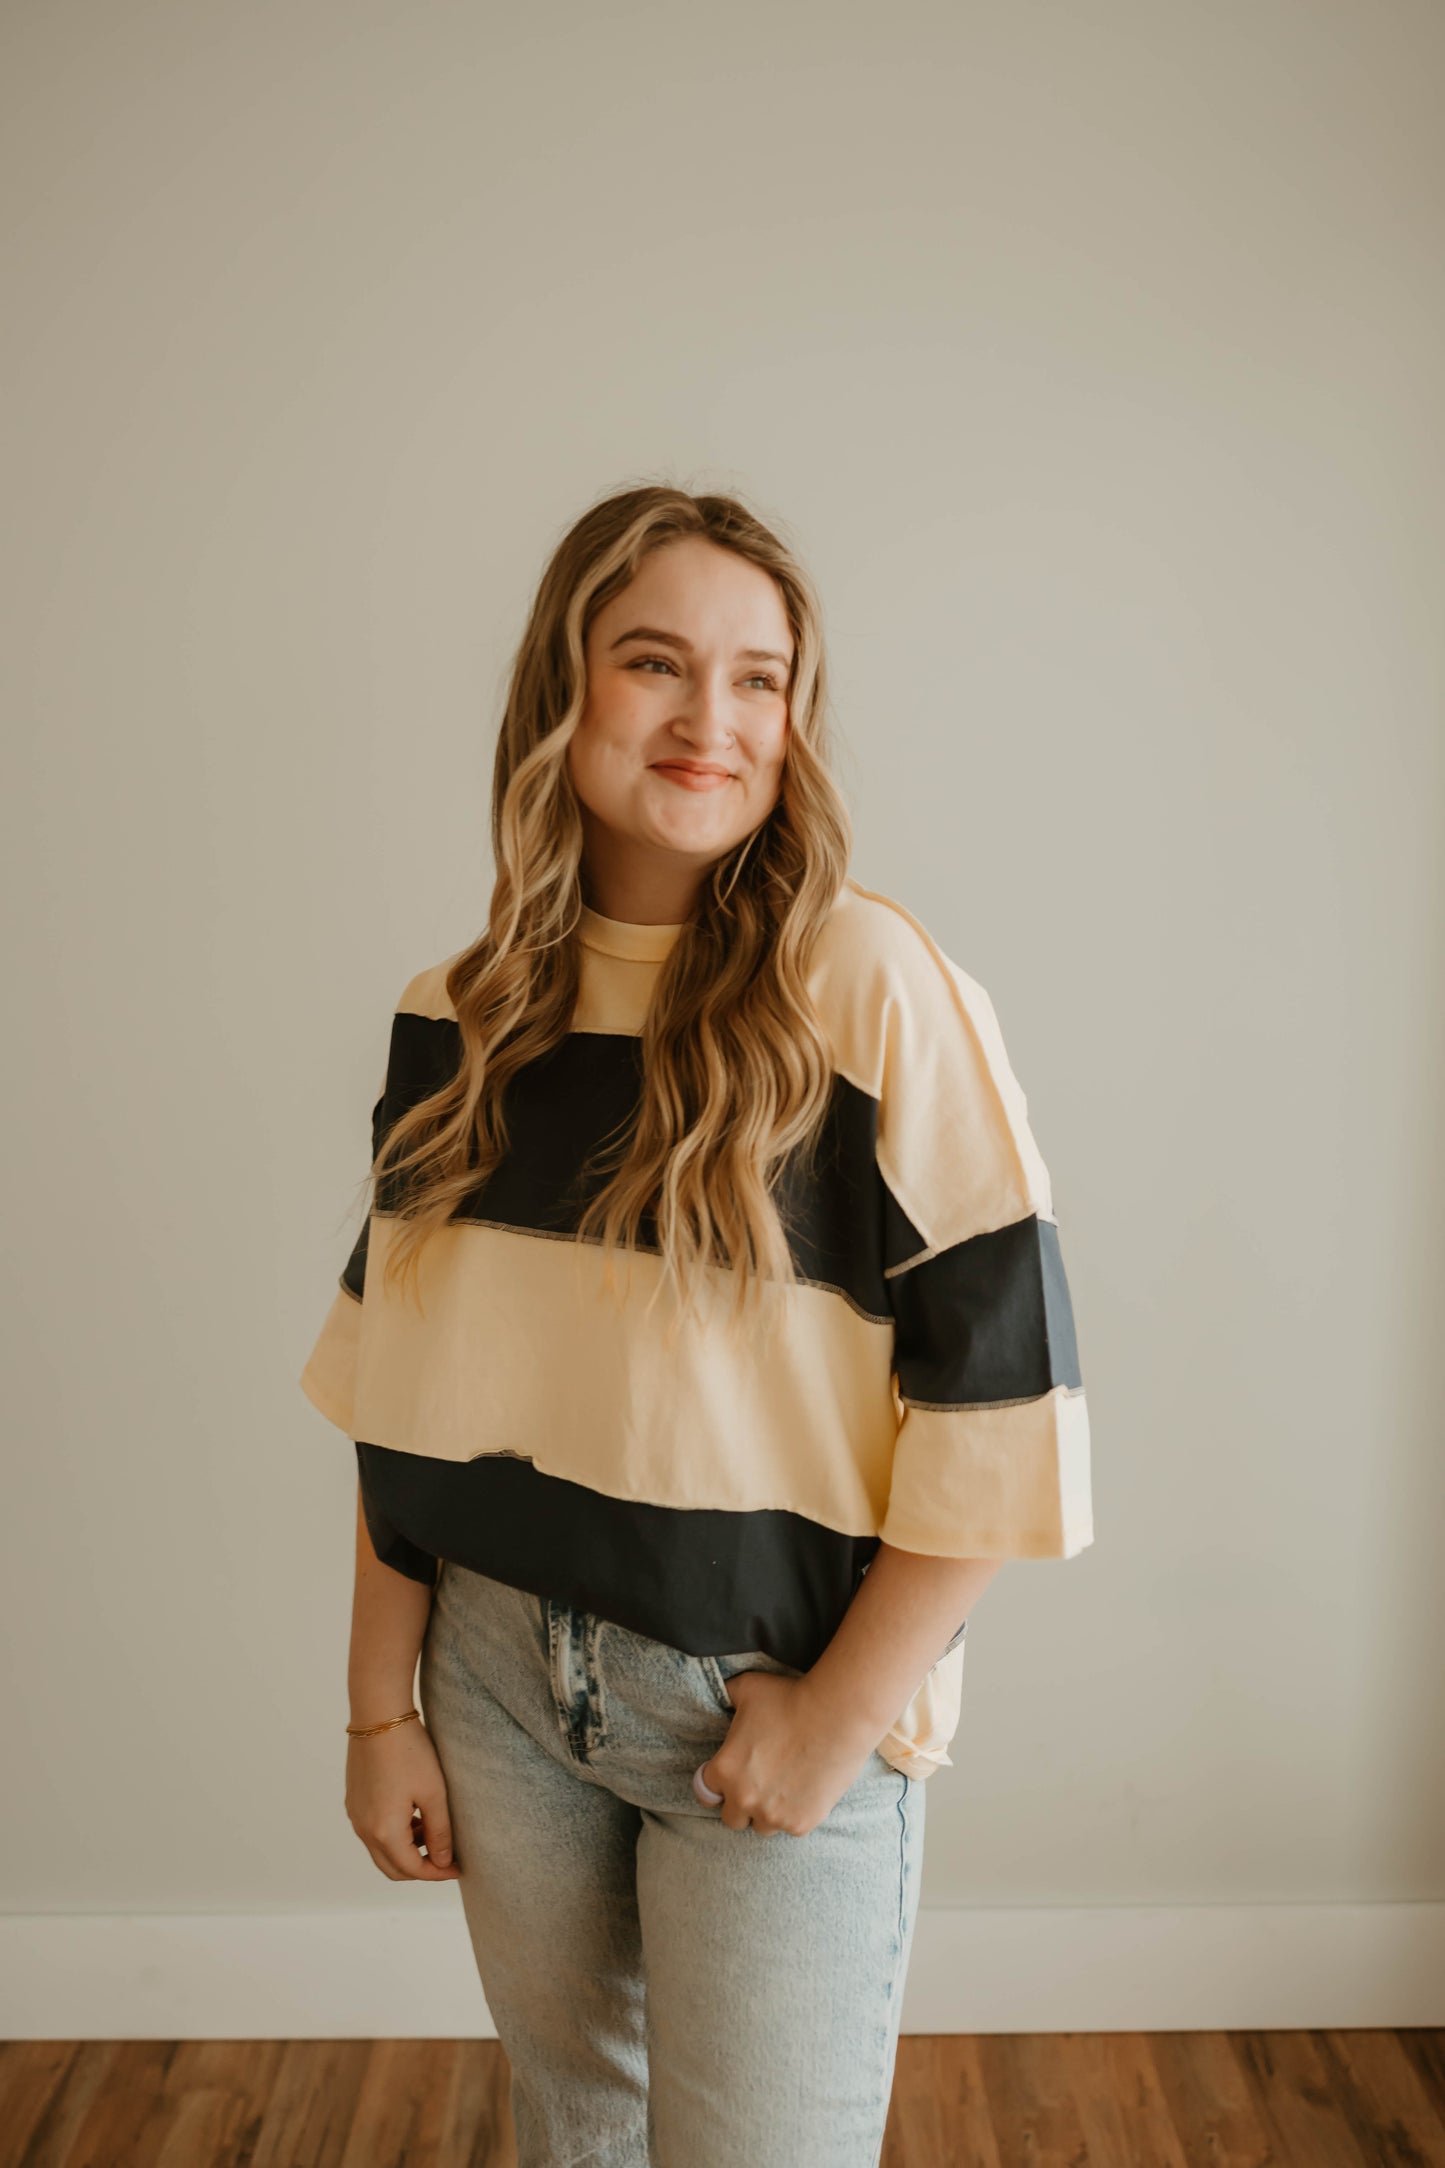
[(670, 1993)]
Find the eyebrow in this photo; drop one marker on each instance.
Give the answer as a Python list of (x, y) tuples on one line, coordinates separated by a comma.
[(675, 639)]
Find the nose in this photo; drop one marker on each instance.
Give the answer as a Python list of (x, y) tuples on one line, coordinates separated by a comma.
[(704, 717)]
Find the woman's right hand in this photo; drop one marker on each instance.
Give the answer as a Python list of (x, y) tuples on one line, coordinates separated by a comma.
[(391, 1778)]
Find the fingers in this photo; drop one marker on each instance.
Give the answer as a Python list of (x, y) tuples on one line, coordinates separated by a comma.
[(396, 1801), (702, 1787), (436, 1830), (733, 1816), (397, 1856), (395, 1850)]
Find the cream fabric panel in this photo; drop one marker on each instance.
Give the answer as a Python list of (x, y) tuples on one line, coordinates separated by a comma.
[(1009, 1481), (516, 1348), (918, 1743), (918, 1034), (329, 1378)]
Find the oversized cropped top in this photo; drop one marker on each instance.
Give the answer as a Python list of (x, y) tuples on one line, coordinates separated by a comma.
[(923, 1389)]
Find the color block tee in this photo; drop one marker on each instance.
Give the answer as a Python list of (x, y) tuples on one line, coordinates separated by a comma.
[(716, 1491)]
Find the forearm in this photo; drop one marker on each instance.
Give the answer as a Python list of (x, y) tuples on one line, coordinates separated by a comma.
[(907, 1609), (389, 1613)]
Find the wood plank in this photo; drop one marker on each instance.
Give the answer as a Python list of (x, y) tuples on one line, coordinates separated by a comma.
[(478, 2131), (939, 2116), (1307, 2099), (1381, 2095), (33, 2076), (1211, 2101), (312, 2105), (91, 2066), (1291, 2089), (126, 2111), (220, 2091), (411, 2110), (1027, 2083), (1123, 2109), (1423, 2046)]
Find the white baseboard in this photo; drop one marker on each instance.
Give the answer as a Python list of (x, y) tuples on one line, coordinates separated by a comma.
[(390, 1974)]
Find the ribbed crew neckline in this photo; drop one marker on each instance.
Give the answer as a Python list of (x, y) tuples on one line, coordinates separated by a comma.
[(625, 937)]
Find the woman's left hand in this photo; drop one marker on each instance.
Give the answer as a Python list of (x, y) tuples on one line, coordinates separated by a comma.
[(787, 1760)]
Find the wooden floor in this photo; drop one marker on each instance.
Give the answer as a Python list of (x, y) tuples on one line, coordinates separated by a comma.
[(996, 2100)]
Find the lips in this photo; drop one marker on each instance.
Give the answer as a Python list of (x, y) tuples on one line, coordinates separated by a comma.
[(691, 778)]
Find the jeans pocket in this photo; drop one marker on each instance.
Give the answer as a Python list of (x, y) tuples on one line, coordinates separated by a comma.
[(717, 1670), (715, 1681)]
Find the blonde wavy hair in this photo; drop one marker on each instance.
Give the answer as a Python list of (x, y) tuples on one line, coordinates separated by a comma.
[(736, 1076)]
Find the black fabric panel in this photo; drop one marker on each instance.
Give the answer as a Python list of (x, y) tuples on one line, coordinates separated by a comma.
[(353, 1279), (832, 1202), (391, 1548), (901, 1239), (707, 1582), (579, 1099), (988, 1320)]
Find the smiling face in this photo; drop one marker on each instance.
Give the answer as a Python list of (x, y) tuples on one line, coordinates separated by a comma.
[(678, 754)]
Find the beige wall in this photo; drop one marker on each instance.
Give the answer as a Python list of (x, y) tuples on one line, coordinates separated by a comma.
[(1092, 358)]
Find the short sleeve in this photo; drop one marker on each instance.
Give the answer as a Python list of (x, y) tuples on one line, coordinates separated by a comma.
[(329, 1377), (420, 1056), (991, 1458), (390, 1545)]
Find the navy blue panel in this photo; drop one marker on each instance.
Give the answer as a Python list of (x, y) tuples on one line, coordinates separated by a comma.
[(988, 1320)]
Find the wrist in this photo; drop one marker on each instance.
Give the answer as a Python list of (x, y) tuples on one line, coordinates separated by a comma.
[(839, 1711), (374, 1698), (379, 1730), (363, 1714)]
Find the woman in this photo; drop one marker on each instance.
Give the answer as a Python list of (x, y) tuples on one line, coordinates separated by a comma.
[(707, 1349)]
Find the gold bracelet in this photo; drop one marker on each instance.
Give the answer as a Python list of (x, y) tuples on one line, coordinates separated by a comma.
[(364, 1731)]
